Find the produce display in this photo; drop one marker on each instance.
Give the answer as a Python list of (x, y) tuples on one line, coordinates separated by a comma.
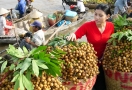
[(7, 84), (117, 56), (36, 65), (121, 23), (98, 1), (45, 82), (80, 59)]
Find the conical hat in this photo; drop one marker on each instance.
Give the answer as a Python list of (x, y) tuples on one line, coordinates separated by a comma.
[(35, 14), (3, 11)]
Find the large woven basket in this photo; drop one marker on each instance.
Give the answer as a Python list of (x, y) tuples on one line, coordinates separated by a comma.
[(82, 85), (72, 19), (118, 80), (91, 6)]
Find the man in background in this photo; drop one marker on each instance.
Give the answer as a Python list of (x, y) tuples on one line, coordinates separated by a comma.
[(20, 9), (37, 38)]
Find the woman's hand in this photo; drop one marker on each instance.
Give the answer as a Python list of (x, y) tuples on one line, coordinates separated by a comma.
[(71, 37)]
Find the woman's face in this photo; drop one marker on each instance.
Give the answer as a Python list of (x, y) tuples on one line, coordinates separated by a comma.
[(100, 16), (5, 15)]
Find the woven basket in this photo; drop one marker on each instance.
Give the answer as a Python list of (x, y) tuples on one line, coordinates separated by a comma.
[(82, 85), (118, 80), (91, 6), (72, 19), (59, 15)]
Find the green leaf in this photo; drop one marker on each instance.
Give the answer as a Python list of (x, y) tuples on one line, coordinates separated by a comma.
[(58, 62), (42, 65), (27, 83), (129, 38), (19, 65), (35, 68), (60, 51), (32, 51), (15, 73), (3, 66), (25, 50), (26, 64), (46, 59), (21, 82), (114, 42), (52, 43), (110, 40), (41, 55), (28, 75), (1, 61), (53, 70), (0, 58), (16, 84), (12, 66), (39, 49), (15, 78), (120, 36)]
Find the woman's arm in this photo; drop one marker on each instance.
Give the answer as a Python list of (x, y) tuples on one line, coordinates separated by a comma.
[(81, 31)]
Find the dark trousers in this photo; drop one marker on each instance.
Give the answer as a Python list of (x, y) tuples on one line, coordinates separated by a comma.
[(23, 43), (100, 82)]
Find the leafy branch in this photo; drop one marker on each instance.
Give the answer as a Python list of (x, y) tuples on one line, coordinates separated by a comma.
[(27, 63), (127, 35), (121, 22)]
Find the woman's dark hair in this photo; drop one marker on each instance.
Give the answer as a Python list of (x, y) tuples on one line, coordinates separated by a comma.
[(105, 8)]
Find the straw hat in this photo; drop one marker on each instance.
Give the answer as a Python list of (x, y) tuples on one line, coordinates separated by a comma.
[(3, 11), (36, 14)]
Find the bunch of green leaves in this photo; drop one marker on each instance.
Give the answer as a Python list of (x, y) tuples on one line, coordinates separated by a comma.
[(34, 62), (121, 22), (124, 35), (59, 41)]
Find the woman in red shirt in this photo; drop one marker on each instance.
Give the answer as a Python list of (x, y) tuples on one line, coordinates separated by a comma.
[(97, 32)]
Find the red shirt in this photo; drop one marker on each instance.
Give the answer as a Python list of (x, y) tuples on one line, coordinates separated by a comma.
[(9, 23), (94, 36)]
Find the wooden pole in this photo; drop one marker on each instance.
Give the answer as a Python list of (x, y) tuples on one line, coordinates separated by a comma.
[(54, 33), (14, 29)]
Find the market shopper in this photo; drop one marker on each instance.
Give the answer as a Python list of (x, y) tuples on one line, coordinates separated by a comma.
[(3, 24), (97, 32), (37, 38), (120, 5)]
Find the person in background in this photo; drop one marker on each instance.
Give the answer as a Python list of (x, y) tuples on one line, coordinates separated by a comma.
[(28, 2), (37, 38), (121, 5), (3, 25), (20, 9), (97, 33), (80, 6), (35, 15)]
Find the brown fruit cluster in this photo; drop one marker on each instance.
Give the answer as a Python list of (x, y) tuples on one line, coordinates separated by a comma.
[(6, 84), (47, 82), (118, 57), (80, 62)]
